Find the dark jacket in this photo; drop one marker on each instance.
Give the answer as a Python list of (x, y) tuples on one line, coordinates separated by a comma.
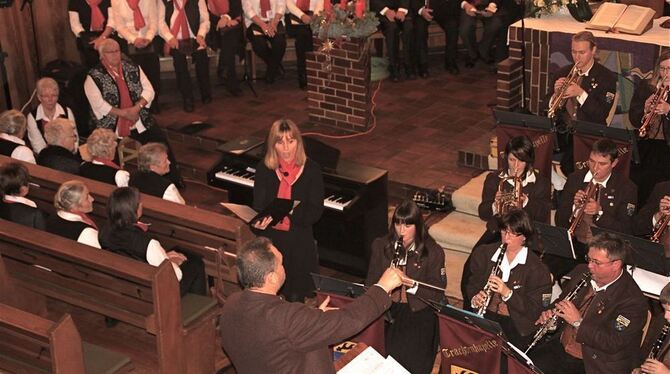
[(636, 110), (642, 222), (23, 214), (59, 158)]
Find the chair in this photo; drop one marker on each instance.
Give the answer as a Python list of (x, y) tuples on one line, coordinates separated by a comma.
[(128, 149)]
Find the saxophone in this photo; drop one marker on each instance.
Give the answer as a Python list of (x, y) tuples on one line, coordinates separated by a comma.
[(550, 324), (487, 288), (579, 217), (557, 100), (659, 96), (658, 344)]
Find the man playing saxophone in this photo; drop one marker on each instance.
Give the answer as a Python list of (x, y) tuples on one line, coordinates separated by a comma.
[(611, 208), (601, 327), (653, 219), (587, 97), (658, 359)]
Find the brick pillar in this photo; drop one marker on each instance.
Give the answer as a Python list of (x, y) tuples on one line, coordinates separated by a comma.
[(342, 97)]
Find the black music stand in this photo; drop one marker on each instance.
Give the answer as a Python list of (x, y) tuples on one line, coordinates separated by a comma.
[(472, 319), (522, 119), (596, 129), (553, 240), (647, 255), (336, 286)]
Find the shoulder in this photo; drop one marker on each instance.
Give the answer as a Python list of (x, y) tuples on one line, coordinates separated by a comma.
[(434, 249), (623, 181), (600, 69), (485, 250), (627, 290), (311, 167)]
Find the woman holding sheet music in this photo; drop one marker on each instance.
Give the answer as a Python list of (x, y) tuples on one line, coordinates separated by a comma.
[(410, 334), (287, 173)]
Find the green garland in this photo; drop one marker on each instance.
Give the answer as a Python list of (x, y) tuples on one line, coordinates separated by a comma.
[(343, 24)]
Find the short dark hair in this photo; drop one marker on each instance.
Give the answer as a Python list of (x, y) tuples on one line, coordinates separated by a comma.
[(614, 245), (585, 36), (518, 222), (122, 207), (13, 176), (664, 297), (254, 261), (408, 213), (605, 147), (522, 148)]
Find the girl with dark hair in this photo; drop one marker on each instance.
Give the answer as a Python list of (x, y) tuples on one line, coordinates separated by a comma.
[(126, 235), (14, 204), (411, 331), (523, 289)]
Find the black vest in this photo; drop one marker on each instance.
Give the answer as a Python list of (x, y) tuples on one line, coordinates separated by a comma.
[(67, 229), (22, 214), (131, 241), (7, 147), (59, 158), (101, 173), (192, 14), (40, 122), (149, 183), (82, 8)]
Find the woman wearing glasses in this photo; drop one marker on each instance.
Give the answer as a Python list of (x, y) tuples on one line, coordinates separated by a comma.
[(522, 288), (654, 146)]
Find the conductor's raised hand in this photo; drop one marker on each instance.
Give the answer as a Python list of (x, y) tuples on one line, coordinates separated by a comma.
[(391, 279), (262, 224)]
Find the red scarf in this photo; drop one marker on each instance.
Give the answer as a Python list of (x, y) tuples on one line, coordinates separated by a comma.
[(86, 219), (288, 173), (138, 18), (123, 125), (180, 22), (142, 226), (304, 5), (97, 19), (218, 7), (109, 163), (265, 8)]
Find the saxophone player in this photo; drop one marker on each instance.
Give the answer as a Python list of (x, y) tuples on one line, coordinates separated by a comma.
[(651, 105), (654, 213), (611, 208), (658, 359), (602, 325), (523, 288), (588, 97)]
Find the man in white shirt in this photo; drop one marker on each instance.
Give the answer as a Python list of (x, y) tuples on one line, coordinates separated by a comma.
[(12, 131), (394, 17), (266, 32)]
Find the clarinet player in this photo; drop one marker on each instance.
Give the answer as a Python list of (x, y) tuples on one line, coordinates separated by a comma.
[(658, 359)]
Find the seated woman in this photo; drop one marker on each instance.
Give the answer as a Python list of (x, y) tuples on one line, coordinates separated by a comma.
[(153, 164), (126, 235), (73, 202), (15, 206), (411, 337), (522, 291), (101, 145), (48, 110), (12, 130), (60, 154)]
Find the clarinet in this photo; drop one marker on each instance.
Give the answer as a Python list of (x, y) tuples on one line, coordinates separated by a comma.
[(398, 253), (550, 324), (656, 348), (487, 288)]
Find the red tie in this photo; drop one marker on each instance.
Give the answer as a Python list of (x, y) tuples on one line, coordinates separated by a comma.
[(142, 226), (218, 7), (97, 19), (265, 8), (86, 219), (304, 5), (122, 125), (181, 22), (109, 163), (138, 18)]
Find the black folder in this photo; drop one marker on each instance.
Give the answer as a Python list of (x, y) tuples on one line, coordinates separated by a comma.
[(278, 209)]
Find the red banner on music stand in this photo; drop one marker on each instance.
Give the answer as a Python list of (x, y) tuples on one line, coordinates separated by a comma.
[(582, 150), (372, 335), (542, 140), (467, 349)]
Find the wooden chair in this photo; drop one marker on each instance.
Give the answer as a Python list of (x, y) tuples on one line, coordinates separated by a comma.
[(128, 149)]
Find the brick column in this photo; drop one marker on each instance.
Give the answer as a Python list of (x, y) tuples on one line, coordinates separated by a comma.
[(342, 97)]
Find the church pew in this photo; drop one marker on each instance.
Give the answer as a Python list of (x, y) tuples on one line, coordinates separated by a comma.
[(117, 287), (33, 344), (202, 232)]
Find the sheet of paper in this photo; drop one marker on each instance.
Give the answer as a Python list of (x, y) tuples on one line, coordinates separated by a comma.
[(649, 283), (244, 212)]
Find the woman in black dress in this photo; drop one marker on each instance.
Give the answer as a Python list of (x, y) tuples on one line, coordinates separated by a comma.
[(411, 335), (654, 147), (126, 235), (287, 173), (73, 202)]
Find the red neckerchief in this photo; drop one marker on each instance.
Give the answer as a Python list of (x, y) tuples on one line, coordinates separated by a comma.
[(86, 219), (97, 18), (109, 163), (142, 226), (288, 172), (265, 8), (218, 7), (123, 125), (138, 18), (304, 5), (180, 22)]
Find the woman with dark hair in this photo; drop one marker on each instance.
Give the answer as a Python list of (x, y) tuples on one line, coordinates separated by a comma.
[(287, 173), (73, 202), (411, 333), (15, 206), (654, 147), (522, 290), (126, 235)]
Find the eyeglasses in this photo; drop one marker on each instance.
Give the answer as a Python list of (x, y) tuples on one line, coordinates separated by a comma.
[(663, 68), (511, 233), (596, 262)]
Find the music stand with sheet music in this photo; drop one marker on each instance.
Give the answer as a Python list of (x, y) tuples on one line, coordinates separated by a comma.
[(613, 133), (553, 240), (647, 255), (336, 286), (522, 119)]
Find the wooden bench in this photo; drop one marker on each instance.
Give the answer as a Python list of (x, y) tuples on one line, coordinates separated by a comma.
[(32, 344), (207, 234), (118, 287)]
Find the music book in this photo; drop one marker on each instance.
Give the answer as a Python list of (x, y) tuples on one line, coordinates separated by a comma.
[(278, 209), (371, 362), (617, 17)]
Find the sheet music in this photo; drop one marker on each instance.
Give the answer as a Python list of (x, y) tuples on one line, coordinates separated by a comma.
[(521, 353), (244, 212), (371, 362), (649, 283)]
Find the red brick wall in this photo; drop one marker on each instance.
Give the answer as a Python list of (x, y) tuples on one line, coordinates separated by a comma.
[(340, 98)]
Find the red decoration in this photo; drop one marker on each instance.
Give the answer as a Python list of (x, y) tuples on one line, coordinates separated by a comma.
[(360, 8)]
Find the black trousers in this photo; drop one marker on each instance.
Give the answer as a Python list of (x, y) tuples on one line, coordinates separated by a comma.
[(193, 278), (303, 44), (551, 358), (466, 29), (184, 84), (154, 135), (449, 24), (147, 59), (392, 35), (230, 41), (269, 49)]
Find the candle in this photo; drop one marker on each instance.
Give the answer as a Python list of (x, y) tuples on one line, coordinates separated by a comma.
[(360, 8)]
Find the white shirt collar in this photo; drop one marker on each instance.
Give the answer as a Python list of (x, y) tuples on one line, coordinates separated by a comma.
[(403, 261), (22, 200), (603, 288), (530, 177), (586, 73), (505, 266), (12, 139), (39, 114), (589, 176), (69, 216)]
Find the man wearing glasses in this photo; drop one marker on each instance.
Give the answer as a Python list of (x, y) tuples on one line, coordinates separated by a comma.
[(602, 326)]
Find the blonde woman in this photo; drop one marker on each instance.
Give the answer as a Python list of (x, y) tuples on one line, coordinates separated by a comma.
[(48, 110)]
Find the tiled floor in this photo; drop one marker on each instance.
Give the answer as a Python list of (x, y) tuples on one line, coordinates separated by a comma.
[(420, 124)]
